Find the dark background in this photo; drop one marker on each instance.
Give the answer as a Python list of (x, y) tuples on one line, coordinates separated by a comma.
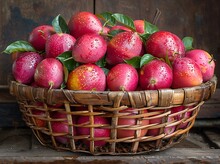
[(199, 19)]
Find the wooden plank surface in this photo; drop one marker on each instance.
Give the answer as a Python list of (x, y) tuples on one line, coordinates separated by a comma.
[(211, 108), (21, 146)]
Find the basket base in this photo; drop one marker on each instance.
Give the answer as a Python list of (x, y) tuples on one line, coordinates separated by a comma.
[(120, 148)]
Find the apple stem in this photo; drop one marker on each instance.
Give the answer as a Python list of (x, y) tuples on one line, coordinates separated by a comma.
[(104, 25), (212, 59), (101, 32), (156, 16), (122, 88), (51, 85), (42, 33)]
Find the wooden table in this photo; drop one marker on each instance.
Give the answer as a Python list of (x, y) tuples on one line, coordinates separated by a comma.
[(18, 145)]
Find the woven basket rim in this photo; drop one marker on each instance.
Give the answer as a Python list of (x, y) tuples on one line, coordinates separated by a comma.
[(165, 97)]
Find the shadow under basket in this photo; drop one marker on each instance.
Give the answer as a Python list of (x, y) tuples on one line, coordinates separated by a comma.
[(152, 119)]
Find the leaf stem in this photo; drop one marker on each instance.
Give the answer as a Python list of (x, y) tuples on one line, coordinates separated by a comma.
[(68, 58)]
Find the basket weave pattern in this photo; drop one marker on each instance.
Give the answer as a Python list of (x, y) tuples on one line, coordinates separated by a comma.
[(110, 104)]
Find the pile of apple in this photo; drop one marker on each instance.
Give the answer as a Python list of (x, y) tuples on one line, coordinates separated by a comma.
[(108, 52)]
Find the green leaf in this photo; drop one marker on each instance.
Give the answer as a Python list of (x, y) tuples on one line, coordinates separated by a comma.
[(66, 74), (139, 61), (146, 59), (135, 61), (107, 17), (150, 28), (63, 85), (105, 70), (144, 37), (188, 43), (19, 46), (60, 25), (167, 60), (68, 61), (101, 62), (125, 20)]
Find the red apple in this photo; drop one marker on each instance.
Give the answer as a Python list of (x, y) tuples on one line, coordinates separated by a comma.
[(24, 67), (186, 73), (122, 133), (205, 62), (163, 44), (139, 25), (59, 126), (87, 77), (89, 48), (122, 77), (84, 23), (123, 46), (39, 116), (155, 75), (181, 116), (39, 36), (58, 44), (156, 131), (98, 131), (49, 73)]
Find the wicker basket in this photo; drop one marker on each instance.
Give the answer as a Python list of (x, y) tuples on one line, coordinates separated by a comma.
[(110, 104)]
